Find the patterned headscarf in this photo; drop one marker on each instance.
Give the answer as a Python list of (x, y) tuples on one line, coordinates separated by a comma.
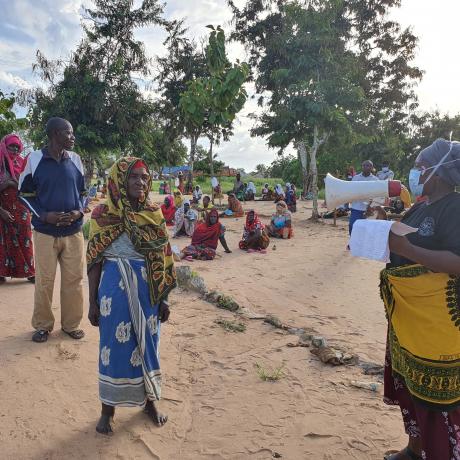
[(145, 227), (178, 198), (13, 161), (255, 224)]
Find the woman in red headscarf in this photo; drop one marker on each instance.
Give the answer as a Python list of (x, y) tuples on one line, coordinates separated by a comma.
[(255, 237), (206, 237), (169, 210), (16, 251)]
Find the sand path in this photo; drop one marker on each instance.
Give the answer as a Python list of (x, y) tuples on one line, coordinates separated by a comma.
[(218, 406)]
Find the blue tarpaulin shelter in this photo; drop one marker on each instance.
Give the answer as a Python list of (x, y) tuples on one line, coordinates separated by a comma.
[(174, 170)]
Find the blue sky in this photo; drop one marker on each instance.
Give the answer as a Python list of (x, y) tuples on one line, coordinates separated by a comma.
[(54, 28)]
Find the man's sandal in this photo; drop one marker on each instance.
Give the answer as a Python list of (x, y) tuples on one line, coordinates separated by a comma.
[(408, 452), (76, 335), (40, 336)]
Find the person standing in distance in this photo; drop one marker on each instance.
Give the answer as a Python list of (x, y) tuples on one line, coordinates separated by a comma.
[(52, 185), (360, 208), (385, 173)]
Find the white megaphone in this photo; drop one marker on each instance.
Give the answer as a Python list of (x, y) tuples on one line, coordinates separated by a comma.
[(339, 191)]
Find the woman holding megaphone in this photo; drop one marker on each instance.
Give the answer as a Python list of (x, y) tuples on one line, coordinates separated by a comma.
[(421, 292)]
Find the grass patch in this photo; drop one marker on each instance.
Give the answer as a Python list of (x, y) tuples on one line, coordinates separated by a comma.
[(270, 375), (231, 326), (227, 303)]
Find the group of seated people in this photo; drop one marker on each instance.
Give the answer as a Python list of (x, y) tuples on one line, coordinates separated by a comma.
[(288, 195), (206, 230), (201, 223), (242, 190)]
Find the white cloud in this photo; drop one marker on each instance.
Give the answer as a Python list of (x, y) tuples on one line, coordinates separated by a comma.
[(8, 81)]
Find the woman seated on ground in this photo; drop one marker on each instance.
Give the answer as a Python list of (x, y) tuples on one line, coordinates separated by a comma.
[(205, 239), (251, 191), (178, 199), (169, 210), (281, 222), (255, 237), (197, 194), (204, 210), (235, 208), (267, 193), (291, 198), (185, 220), (279, 193)]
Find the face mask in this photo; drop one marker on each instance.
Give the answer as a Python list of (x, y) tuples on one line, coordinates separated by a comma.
[(414, 179), (414, 175), (385, 169)]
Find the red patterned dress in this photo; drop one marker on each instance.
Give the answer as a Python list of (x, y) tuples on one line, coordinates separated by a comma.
[(16, 250)]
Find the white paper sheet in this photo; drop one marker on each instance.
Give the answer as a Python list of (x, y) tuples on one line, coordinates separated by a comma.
[(369, 239)]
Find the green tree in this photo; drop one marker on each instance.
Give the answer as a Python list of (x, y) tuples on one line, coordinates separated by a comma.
[(182, 63), (210, 104), (261, 170), (203, 164), (332, 69), (95, 89), (8, 121)]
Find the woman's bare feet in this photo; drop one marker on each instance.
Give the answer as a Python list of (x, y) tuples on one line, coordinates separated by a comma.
[(104, 426), (411, 452), (157, 418)]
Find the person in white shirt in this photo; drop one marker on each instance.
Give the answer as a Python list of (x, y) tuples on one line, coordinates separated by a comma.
[(359, 208), (385, 173)]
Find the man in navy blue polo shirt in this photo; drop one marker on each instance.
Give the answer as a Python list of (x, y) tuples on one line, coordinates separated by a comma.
[(52, 185)]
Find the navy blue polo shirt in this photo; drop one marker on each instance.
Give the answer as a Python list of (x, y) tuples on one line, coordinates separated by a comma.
[(49, 185)]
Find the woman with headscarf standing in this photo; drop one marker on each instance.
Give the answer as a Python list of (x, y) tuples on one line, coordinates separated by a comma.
[(421, 292), (16, 250), (255, 237), (130, 274)]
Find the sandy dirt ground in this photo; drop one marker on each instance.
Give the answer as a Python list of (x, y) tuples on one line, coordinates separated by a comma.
[(218, 406)]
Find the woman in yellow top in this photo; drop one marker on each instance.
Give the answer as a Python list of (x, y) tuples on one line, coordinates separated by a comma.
[(421, 292)]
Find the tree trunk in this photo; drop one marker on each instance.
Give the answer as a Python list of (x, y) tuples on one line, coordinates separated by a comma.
[(302, 156), (211, 159), (89, 170), (317, 143), (189, 185), (314, 173)]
